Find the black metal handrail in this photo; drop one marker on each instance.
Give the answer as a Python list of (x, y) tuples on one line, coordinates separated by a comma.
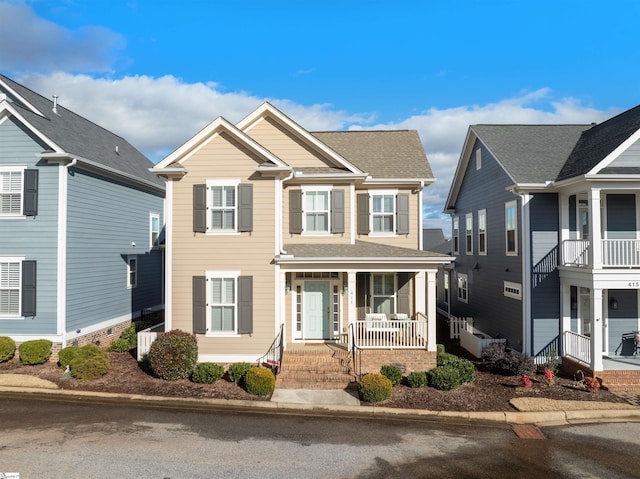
[(356, 359), (273, 357)]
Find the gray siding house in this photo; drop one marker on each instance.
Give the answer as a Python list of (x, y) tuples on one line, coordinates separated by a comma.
[(80, 218), (546, 238)]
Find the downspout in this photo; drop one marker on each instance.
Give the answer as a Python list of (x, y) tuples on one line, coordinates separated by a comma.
[(280, 316)]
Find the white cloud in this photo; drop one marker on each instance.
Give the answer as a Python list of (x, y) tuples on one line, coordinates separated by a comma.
[(29, 42)]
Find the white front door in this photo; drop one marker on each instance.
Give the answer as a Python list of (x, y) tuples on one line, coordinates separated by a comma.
[(316, 300)]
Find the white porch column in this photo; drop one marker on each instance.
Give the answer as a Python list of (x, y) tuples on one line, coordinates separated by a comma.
[(596, 330), (352, 310), (281, 306), (563, 200), (565, 312), (595, 229), (425, 281)]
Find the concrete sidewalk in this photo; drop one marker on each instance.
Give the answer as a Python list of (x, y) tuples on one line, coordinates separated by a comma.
[(542, 412)]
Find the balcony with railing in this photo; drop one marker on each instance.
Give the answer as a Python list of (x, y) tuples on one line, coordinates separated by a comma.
[(615, 253)]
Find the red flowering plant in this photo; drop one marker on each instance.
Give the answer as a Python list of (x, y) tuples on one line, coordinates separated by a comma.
[(525, 381), (548, 376)]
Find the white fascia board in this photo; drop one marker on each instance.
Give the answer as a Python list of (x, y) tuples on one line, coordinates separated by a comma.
[(463, 161), (427, 260), (267, 108), (7, 108), (208, 132), (419, 181), (525, 187), (615, 154), (21, 98)]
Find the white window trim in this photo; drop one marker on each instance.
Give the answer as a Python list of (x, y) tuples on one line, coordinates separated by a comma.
[(447, 291), (16, 168), (309, 189), (462, 276), (507, 206), (151, 218), (482, 214), (468, 233), (227, 275), (380, 234), (456, 234), (512, 290), (222, 182), (395, 290), (478, 159), (19, 260), (131, 285)]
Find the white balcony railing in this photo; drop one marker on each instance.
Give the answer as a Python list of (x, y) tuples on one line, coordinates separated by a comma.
[(577, 346), (623, 253), (391, 334)]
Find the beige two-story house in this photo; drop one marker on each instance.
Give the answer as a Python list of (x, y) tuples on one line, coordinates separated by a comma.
[(277, 233)]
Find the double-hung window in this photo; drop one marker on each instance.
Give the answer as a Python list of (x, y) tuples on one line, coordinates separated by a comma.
[(222, 207), (154, 229), (456, 235), (132, 271), (383, 298), (383, 212), (511, 224), (10, 281), (463, 285), (11, 192), (482, 232), (469, 233), (222, 303), (316, 210)]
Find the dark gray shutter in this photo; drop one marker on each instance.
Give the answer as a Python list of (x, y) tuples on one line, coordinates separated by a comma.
[(362, 294), (245, 207), (199, 293), (245, 304), (30, 193), (337, 211), (363, 214), (402, 223), (404, 305), (28, 288), (295, 211), (200, 208)]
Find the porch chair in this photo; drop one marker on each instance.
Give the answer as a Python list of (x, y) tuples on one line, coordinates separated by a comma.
[(636, 343)]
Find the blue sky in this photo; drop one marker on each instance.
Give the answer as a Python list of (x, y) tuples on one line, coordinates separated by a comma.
[(157, 71)]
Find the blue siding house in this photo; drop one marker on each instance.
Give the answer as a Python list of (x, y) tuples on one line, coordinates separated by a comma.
[(546, 240), (80, 219)]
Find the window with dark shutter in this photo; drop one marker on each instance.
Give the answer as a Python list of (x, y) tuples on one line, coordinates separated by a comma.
[(295, 211), (363, 214), (245, 207), (245, 304), (199, 292), (200, 208), (28, 288), (30, 187), (337, 211)]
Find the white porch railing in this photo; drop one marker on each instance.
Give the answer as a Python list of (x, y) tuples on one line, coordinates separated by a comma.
[(391, 334), (615, 252), (145, 338), (575, 252), (458, 324), (621, 252), (577, 346)]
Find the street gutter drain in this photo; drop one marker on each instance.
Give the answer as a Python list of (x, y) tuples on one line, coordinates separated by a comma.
[(527, 431)]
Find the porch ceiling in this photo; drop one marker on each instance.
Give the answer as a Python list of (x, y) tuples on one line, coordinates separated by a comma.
[(358, 253)]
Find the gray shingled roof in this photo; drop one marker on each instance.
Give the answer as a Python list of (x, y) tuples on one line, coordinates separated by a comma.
[(531, 153), (80, 137), (382, 154), (359, 250), (598, 142)]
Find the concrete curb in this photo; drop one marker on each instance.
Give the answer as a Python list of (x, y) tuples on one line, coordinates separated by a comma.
[(546, 418)]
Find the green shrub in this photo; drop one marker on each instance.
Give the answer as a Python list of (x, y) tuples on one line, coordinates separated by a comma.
[(466, 369), (440, 348), (7, 348), (173, 355), (120, 345), (260, 381), (499, 359), (375, 388), (207, 373), (445, 359), (36, 351), (130, 335), (238, 371), (393, 373), (444, 378), (66, 355), (417, 379), (89, 362)]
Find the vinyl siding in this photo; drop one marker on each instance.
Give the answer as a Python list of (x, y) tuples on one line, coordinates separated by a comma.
[(251, 253), (494, 314), (105, 218), (282, 144), (629, 158), (545, 281), (35, 237)]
